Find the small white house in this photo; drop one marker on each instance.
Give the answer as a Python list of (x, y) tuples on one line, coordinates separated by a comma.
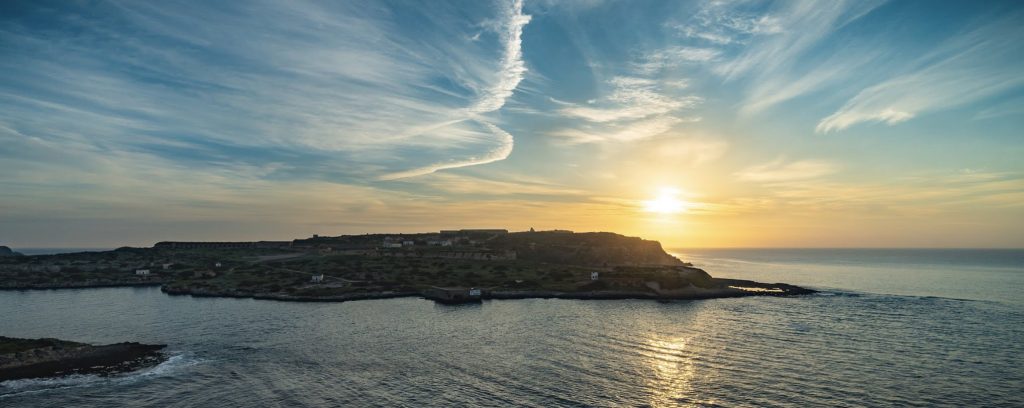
[(408, 243), (317, 278), (392, 245), (474, 292), (167, 265), (217, 265), (142, 272), (593, 276)]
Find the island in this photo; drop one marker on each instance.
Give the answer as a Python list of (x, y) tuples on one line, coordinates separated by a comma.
[(5, 251), (449, 266), (40, 358)]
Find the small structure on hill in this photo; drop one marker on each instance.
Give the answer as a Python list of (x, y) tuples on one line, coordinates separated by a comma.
[(594, 276), (142, 272), (317, 278), (392, 242)]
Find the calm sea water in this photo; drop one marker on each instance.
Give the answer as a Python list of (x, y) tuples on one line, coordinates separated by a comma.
[(891, 328)]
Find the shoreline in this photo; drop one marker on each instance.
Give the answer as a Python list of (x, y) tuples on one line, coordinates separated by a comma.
[(47, 358), (727, 290)]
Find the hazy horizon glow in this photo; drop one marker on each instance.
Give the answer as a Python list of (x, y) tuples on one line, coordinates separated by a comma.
[(699, 124)]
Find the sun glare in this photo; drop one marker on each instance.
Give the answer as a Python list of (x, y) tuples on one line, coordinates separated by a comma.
[(667, 202)]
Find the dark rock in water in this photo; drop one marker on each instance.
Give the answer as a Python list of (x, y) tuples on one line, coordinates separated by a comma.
[(5, 251), (453, 296), (38, 358)]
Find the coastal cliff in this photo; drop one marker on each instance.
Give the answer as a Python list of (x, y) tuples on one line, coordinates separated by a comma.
[(587, 248)]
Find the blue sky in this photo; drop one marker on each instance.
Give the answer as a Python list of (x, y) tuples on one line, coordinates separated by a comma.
[(773, 123)]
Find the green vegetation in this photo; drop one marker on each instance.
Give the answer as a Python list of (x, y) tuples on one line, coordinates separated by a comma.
[(10, 345), (371, 265)]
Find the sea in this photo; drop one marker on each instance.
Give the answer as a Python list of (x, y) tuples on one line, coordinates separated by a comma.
[(888, 328)]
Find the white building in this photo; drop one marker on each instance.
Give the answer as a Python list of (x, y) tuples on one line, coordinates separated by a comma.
[(593, 276), (474, 292), (408, 243), (317, 278), (392, 245), (142, 272), (216, 265), (167, 265)]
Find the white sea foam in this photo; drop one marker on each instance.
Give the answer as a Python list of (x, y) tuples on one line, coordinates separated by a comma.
[(176, 362)]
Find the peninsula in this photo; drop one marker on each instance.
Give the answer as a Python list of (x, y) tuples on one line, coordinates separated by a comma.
[(450, 266)]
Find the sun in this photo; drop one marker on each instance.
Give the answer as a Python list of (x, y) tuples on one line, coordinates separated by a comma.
[(667, 202)]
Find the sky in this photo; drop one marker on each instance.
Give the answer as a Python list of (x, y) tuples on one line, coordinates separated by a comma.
[(699, 124)]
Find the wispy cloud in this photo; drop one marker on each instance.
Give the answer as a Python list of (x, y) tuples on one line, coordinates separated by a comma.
[(636, 106), (508, 78), (512, 65), (337, 91), (508, 185), (780, 170), (774, 48), (1012, 107), (716, 22), (971, 66), (501, 152), (797, 27), (923, 195), (627, 132), (673, 57), (692, 151), (632, 98)]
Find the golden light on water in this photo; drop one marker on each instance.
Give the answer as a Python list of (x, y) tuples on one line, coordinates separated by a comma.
[(672, 372), (667, 202)]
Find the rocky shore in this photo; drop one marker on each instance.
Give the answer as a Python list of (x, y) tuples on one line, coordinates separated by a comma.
[(197, 292), (731, 288), (41, 358), (723, 288)]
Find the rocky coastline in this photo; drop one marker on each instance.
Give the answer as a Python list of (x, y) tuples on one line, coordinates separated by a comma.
[(450, 266), (724, 288), (43, 358)]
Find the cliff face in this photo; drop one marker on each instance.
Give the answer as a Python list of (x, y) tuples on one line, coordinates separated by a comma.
[(591, 249)]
